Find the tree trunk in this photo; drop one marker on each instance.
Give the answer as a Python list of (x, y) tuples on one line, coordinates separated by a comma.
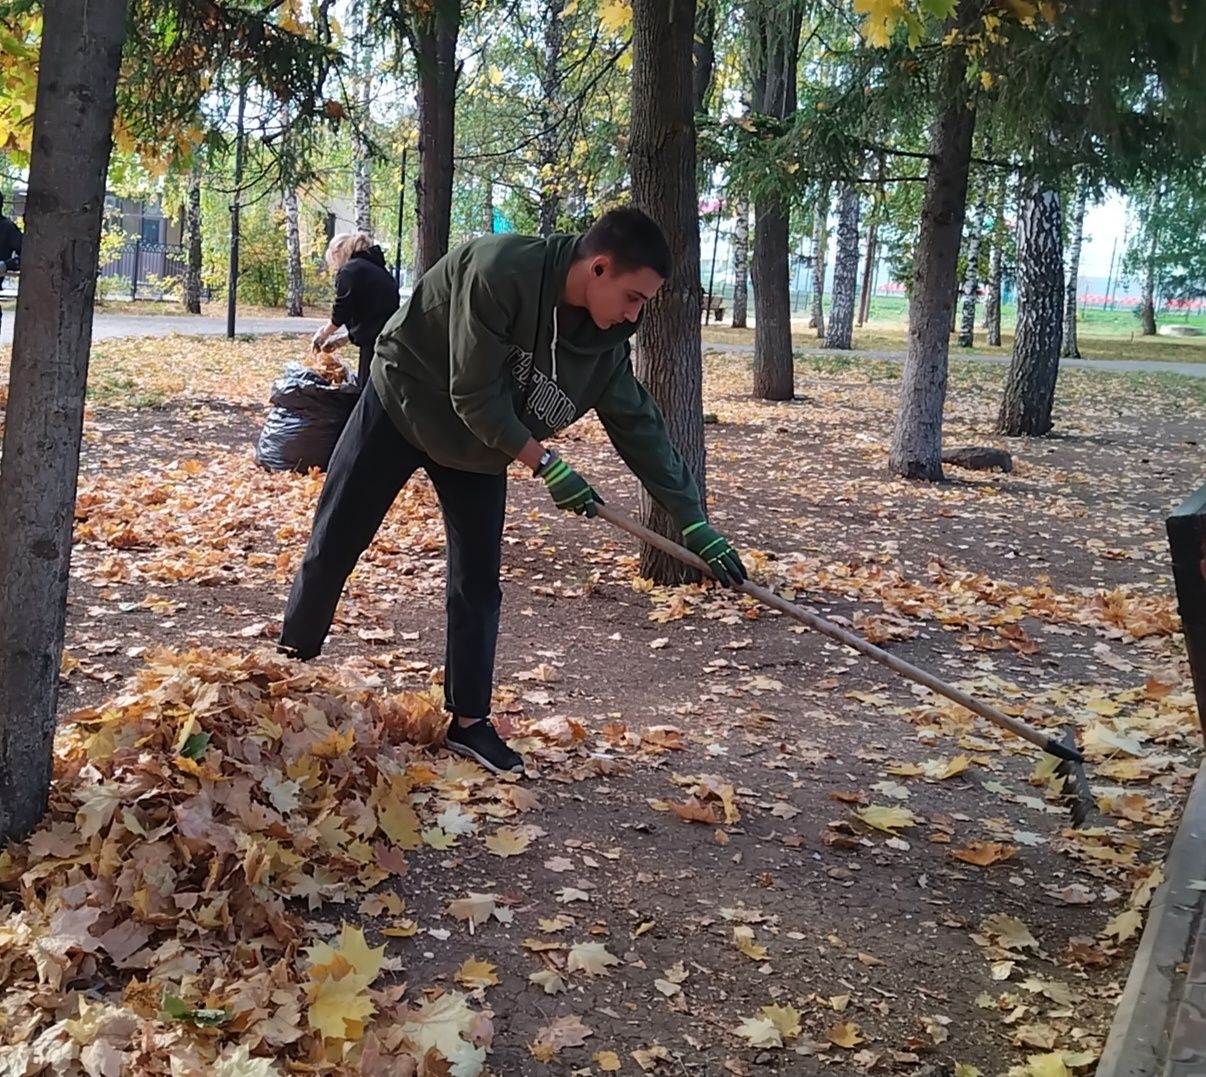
[(550, 164), (992, 298), (435, 35), (971, 279), (1030, 383), (864, 304), (774, 36), (192, 219), (72, 136), (741, 265), (293, 277), (845, 272), (662, 155), (704, 50), (488, 210), (362, 191), (820, 237), (1147, 305), (1069, 349), (916, 451)]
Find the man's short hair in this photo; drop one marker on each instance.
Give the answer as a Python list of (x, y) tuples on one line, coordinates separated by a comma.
[(632, 239)]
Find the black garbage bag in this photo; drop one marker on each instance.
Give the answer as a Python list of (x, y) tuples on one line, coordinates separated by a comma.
[(307, 416)]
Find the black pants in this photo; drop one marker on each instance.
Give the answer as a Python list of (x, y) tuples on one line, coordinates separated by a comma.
[(371, 463)]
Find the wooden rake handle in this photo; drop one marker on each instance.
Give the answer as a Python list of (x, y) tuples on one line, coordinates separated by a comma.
[(818, 624)]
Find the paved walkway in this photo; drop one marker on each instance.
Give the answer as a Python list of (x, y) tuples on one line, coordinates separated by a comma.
[(1119, 366), (107, 326)]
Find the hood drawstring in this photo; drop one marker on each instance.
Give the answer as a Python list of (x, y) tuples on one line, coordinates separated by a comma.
[(553, 346)]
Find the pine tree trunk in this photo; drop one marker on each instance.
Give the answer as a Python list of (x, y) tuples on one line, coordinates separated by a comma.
[(1147, 305), (549, 157), (845, 272), (971, 279), (435, 37), (192, 219), (916, 451), (741, 265), (820, 235), (663, 159), (72, 136), (774, 38), (1069, 348), (1030, 383), (293, 276)]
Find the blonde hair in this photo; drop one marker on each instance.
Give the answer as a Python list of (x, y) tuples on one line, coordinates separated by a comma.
[(343, 245)]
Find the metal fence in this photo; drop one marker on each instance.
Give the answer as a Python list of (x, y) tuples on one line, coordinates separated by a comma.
[(152, 267)]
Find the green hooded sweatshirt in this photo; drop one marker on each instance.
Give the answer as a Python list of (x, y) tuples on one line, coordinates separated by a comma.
[(483, 356)]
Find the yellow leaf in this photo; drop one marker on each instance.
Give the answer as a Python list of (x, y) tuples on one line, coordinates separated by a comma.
[(437, 838), (880, 19), (474, 973), (476, 908), (1124, 925), (339, 1007), (615, 15), (551, 981), (507, 843), (986, 82), (743, 937), (398, 821), (441, 1024), (844, 1035), (966, 1069), (888, 820), (593, 958), (607, 1061), (1010, 932), (785, 1018), (759, 1032), (1051, 1065), (985, 853), (353, 951), (941, 769)]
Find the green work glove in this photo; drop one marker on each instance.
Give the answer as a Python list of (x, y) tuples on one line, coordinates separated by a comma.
[(569, 490), (703, 541)]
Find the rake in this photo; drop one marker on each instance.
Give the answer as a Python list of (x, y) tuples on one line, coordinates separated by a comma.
[(1071, 766)]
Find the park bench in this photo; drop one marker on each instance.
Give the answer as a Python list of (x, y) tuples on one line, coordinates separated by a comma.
[(713, 308)]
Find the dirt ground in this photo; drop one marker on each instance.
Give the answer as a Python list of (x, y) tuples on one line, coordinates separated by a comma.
[(883, 869)]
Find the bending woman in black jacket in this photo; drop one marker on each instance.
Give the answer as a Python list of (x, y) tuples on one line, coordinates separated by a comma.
[(365, 295)]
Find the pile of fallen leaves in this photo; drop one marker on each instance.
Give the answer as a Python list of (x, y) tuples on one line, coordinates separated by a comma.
[(155, 922)]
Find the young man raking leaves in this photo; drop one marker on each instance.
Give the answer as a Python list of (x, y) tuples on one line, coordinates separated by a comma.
[(505, 341)]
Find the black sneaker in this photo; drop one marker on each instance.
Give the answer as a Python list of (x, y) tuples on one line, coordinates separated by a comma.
[(481, 742)]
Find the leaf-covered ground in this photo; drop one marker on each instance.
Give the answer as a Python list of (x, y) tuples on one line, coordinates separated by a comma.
[(740, 849)]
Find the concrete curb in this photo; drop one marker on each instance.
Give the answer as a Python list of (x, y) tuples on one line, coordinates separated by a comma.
[(1144, 1035)]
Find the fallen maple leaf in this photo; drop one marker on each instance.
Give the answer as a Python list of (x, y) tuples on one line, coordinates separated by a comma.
[(1010, 932), (476, 908), (507, 843), (759, 1032), (845, 1035), (593, 958), (785, 1018), (550, 981), (985, 853), (888, 820), (474, 974), (743, 937), (561, 1033), (607, 1061)]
